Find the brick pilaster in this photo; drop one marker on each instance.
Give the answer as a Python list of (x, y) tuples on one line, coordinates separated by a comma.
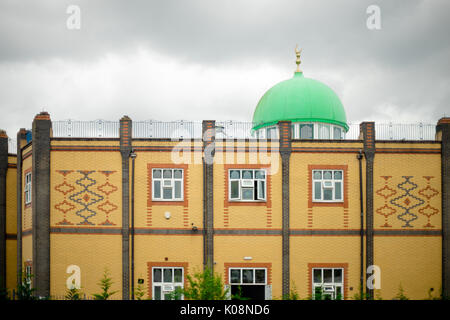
[(443, 134), (285, 152), (40, 203), (125, 150), (208, 134), (3, 170), (367, 130)]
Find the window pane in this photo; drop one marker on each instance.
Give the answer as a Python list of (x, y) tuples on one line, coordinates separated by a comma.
[(338, 175), (327, 275), (337, 190), (178, 189), (157, 293), (235, 276), (167, 174), (234, 190), (306, 131), (247, 174), (260, 276), (247, 275), (157, 189), (327, 194), (259, 174), (156, 275), (317, 190), (247, 194), (327, 175), (338, 293), (317, 275), (235, 174), (261, 190), (177, 274), (156, 173), (167, 275), (337, 133), (167, 193), (324, 131), (178, 174), (338, 275), (317, 174)]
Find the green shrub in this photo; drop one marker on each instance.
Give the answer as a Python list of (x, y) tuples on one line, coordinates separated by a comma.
[(105, 285), (204, 285)]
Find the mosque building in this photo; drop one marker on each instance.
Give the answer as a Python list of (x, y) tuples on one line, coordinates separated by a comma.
[(292, 201)]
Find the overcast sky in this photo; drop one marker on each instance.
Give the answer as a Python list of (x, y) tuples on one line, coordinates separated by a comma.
[(209, 59)]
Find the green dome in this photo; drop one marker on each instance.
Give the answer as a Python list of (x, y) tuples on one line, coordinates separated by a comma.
[(299, 99)]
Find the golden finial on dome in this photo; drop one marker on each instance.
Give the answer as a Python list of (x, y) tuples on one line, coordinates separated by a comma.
[(297, 53)]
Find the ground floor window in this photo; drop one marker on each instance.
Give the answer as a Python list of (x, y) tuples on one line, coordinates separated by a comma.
[(327, 283), (248, 283), (166, 280)]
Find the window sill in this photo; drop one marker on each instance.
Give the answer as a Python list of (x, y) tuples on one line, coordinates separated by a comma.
[(327, 204), (246, 203), (168, 202)]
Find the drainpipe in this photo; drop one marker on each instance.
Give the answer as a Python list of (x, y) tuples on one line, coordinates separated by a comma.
[(133, 156), (359, 157)]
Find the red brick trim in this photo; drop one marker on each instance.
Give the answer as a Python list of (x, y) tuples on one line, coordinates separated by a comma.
[(328, 265), (267, 265), (311, 203), (183, 203), (150, 265), (267, 203)]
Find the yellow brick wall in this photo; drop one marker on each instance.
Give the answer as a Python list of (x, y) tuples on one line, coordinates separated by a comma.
[(11, 264), (423, 184), (27, 248), (167, 248), (92, 253), (247, 216), (101, 173), (262, 249), (324, 250), (322, 217), (154, 216), (412, 262)]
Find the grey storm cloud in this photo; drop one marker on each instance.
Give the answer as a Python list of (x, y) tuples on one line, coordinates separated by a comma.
[(232, 50)]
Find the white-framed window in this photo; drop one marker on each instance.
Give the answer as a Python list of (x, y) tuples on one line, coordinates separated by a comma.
[(328, 283), (248, 276), (165, 281), (328, 185), (167, 184), (247, 184), (27, 188)]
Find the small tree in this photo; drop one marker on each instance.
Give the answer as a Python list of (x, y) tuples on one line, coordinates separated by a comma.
[(401, 294), (24, 289), (204, 285), (293, 294), (139, 292), (318, 293), (73, 293), (105, 284)]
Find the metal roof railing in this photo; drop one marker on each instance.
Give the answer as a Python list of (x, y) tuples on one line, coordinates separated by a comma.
[(224, 130)]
